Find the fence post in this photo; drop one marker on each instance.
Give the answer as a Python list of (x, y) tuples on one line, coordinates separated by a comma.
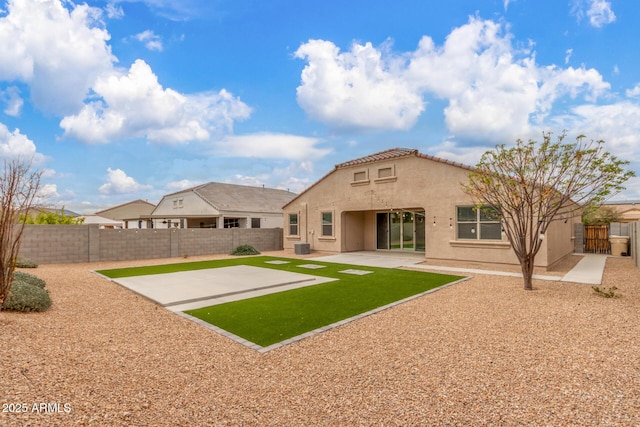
[(94, 242), (578, 241)]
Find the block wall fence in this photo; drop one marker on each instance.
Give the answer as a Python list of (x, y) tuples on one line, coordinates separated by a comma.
[(48, 244)]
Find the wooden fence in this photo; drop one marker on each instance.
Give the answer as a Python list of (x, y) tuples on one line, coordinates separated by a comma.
[(596, 239)]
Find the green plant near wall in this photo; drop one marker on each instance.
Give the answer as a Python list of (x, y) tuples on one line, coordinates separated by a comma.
[(606, 293), (245, 250)]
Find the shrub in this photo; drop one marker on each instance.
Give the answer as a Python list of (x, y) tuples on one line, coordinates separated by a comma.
[(26, 297), (21, 276), (245, 250), (603, 292), (26, 263)]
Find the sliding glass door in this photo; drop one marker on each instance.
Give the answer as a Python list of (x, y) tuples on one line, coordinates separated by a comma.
[(404, 230)]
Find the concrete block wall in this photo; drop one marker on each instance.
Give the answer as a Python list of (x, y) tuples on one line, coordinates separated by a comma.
[(55, 243), (88, 243), (130, 244), (201, 241)]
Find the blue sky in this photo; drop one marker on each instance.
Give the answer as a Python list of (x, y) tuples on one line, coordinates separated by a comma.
[(127, 99)]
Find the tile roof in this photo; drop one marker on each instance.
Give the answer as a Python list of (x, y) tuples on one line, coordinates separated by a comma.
[(396, 153), (383, 155)]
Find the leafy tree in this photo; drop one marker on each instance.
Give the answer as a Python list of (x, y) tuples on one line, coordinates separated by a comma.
[(530, 185), (50, 218), (600, 215), (18, 188)]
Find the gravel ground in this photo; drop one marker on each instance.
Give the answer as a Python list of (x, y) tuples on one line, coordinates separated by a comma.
[(482, 352)]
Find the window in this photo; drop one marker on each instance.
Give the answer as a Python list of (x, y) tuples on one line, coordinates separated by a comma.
[(231, 223), (255, 222), (293, 224), (360, 176), (385, 172), (327, 224), (478, 224)]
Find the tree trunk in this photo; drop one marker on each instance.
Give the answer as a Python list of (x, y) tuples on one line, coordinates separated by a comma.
[(527, 272)]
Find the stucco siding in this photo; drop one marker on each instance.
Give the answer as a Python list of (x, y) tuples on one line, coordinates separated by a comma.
[(353, 194)]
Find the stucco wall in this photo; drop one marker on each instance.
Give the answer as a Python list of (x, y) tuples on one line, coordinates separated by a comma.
[(89, 243), (418, 184)]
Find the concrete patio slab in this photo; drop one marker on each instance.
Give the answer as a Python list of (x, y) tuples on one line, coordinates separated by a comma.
[(200, 288), (374, 259), (311, 266), (356, 272)]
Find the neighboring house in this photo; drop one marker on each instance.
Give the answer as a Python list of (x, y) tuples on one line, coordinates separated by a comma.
[(218, 205), (101, 221), (629, 211), (403, 200), (132, 214)]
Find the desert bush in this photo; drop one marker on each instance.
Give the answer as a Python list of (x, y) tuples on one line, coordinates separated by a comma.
[(606, 293), (26, 263), (21, 276), (26, 297), (245, 250)]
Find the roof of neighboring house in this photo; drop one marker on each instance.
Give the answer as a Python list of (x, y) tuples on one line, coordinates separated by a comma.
[(241, 198), (127, 211), (621, 202), (97, 219), (392, 153)]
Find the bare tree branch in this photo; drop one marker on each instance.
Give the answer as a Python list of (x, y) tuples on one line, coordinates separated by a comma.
[(531, 185), (18, 188)]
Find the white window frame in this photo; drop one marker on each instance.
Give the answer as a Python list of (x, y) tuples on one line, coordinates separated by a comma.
[(476, 224), (323, 224), (296, 225)]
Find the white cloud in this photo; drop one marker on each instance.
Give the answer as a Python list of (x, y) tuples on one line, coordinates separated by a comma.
[(599, 12), (271, 146), (355, 89), (150, 40), (617, 124), (284, 178), (568, 55), (15, 145), (57, 51), (466, 155), (61, 51), (182, 185), (634, 91), (135, 105), (48, 192), (296, 177), (494, 91), (114, 11), (119, 182), (14, 101)]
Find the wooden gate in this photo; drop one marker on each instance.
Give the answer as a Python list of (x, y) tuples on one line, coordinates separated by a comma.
[(596, 239)]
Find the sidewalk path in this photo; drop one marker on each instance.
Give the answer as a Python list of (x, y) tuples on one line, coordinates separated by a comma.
[(588, 271)]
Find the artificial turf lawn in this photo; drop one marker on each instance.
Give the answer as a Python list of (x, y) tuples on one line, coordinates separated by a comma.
[(272, 318)]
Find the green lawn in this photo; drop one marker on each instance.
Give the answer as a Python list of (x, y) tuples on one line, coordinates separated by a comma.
[(272, 318)]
